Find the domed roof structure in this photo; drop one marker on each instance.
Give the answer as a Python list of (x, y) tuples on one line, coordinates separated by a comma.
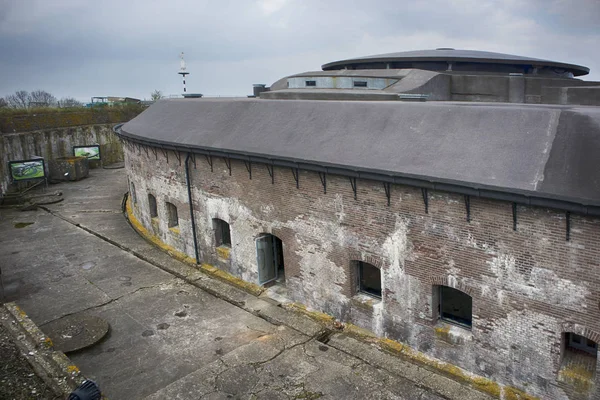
[(441, 58)]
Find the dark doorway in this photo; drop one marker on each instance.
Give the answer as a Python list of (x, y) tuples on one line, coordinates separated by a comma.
[(269, 257)]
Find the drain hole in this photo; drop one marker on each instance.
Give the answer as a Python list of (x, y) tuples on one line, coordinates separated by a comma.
[(324, 336)]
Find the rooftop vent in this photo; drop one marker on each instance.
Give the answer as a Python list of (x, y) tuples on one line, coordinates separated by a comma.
[(444, 48)]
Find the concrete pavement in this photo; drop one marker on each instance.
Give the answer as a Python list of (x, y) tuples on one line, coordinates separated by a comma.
[(176, 332)]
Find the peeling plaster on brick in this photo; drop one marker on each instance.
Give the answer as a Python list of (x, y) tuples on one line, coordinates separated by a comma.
[(541, 284), (243, 247), (315, 269), (529, 359), (377, 320), (473, 243), (396, 284), (396, 248), (339, 207)]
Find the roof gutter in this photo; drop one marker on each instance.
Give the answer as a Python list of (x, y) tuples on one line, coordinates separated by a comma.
[(524, 197)]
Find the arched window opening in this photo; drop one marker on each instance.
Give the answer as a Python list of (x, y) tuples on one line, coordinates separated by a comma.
[(173, 218), (152, 205), (455, 306), (222, 232)]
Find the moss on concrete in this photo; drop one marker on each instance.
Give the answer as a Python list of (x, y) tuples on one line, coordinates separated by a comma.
[(511, 393), (442, 332), (358, 332), (317, 316), (223, 252), (233, 280)]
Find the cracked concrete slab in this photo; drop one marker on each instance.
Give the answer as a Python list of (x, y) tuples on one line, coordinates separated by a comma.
[(176, 338)]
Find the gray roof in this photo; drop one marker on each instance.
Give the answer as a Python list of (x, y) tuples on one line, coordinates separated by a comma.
[(446, 54), (543, 151)]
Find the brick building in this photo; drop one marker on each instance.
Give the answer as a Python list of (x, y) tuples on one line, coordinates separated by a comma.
[(468, 230)]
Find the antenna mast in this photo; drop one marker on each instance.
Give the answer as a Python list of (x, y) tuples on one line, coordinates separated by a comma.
[(182, 70)]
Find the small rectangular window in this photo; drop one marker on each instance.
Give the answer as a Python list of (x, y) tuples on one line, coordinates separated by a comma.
[(310, 83), (360, 83), (222, 232), (455, 306), (369, 279), (173, 218), (152, 205)]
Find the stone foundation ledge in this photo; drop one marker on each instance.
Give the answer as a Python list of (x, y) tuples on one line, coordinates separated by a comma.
[(327, 323), (52, 366)]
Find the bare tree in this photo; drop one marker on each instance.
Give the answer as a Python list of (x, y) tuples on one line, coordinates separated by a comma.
[(20, 99), (3, 103), (70, 102), (156, 95), (41, 98)]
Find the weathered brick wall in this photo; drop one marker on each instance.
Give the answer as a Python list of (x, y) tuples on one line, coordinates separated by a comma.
[(528, 286)]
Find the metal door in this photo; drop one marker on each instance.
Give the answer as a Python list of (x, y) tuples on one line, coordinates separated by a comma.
[(265, 258)]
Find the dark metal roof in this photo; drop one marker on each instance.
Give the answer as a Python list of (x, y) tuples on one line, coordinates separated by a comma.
[(528, 151), (457, 55)]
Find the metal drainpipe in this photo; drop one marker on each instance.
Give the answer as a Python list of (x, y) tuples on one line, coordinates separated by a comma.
[(189, 190)]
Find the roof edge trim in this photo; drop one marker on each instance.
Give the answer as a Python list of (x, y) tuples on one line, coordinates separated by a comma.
[(525, 197)]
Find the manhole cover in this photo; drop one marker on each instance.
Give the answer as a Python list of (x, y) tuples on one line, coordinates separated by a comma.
[(75, 332)]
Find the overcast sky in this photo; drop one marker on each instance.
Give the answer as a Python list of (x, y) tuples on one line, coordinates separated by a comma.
[(90, 48)]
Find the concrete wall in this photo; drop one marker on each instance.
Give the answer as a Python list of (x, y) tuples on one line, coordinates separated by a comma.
[(54, 143), (528, 286), (341, 82)]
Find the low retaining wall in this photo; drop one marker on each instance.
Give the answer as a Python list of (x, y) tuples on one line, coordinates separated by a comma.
[(54, 143)]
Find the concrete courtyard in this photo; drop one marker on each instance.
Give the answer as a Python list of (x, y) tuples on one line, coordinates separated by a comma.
[(175, 332)]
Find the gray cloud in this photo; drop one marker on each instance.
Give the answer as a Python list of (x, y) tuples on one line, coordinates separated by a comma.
[(130, 48)]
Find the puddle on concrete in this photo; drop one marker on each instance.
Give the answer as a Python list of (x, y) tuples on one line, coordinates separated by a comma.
[(88, 265), (20, 225), (147, 333)]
